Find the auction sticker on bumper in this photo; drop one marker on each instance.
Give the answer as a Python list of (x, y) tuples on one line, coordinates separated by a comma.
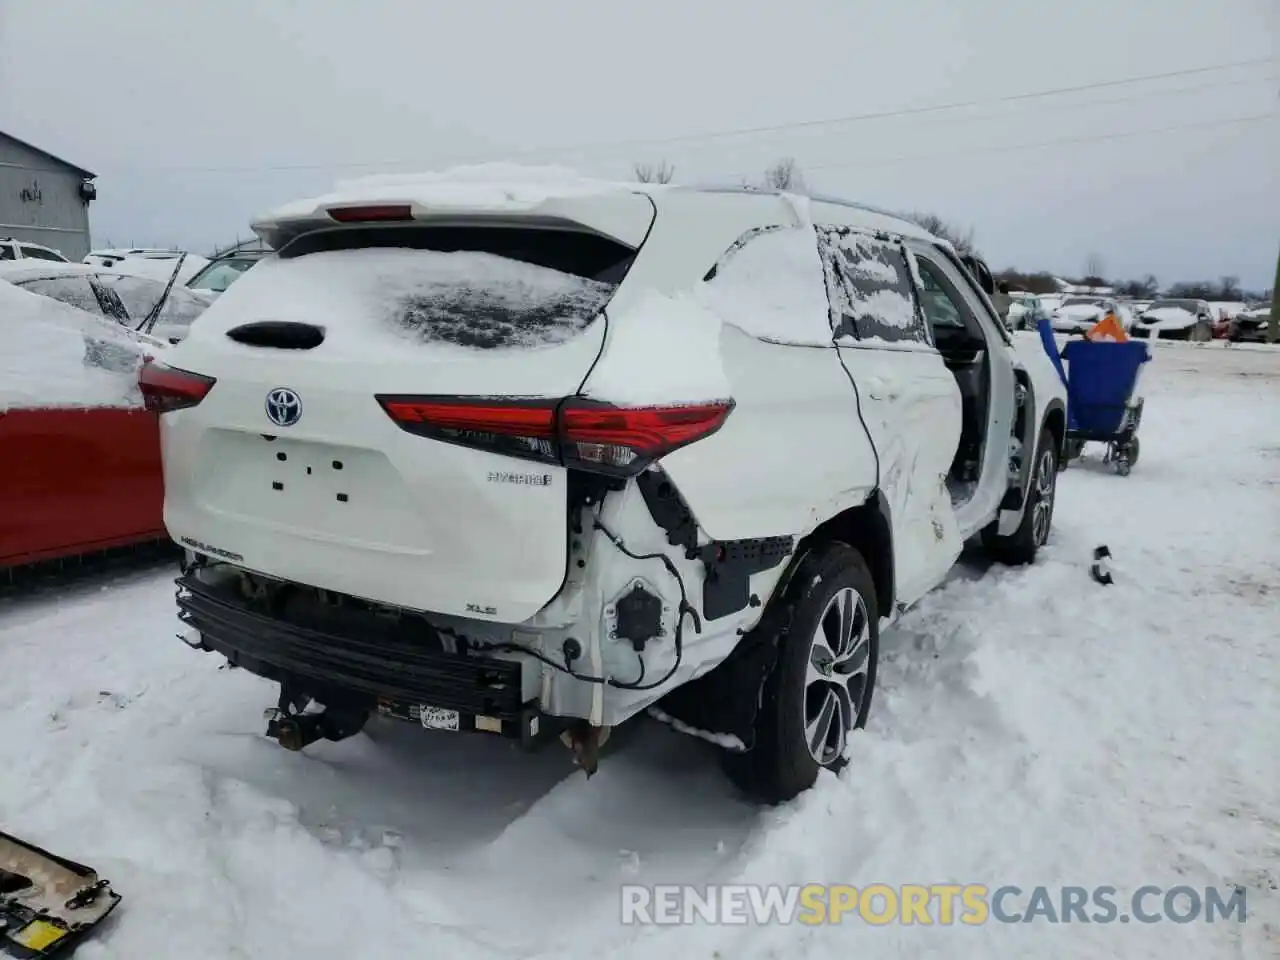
[(438, 718)]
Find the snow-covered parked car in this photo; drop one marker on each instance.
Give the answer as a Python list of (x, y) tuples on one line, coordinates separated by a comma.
[(154, 264), (1175, 320), (1078, 314), (80, 454), (1026, 311), (527, 458), (120, 298), (1251, 324)]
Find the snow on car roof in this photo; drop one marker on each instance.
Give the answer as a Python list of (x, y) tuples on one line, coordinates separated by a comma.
[(502, 187), (15, 271), (42, 355)]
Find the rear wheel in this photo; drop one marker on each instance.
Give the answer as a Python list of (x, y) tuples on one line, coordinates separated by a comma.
[(1133, 451), (1021, 546), (819, 690)]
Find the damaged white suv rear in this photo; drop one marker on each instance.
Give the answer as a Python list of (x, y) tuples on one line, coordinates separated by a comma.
[(527, 460)]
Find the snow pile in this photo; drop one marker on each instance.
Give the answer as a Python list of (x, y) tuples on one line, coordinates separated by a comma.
[(384, 298), (772, 287), (43, 346), (660, 350)]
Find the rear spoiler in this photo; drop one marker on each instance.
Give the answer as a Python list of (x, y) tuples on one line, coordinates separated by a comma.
[(620, 215)]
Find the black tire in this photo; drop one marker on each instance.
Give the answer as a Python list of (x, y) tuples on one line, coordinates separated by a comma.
[(1134, 447), (1021, 546), (809, 674)]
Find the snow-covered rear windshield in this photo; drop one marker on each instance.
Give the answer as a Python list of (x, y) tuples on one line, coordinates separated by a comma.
[(476, 288), (1188, 305)]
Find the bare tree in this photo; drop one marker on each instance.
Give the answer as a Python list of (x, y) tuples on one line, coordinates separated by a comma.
[(1143, 289), (960, 238), (654, 173), (785, 175)]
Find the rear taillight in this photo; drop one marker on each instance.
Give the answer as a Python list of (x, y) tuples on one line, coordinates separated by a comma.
[(165, 389), (372, 213), (575, 432), (525, 429)]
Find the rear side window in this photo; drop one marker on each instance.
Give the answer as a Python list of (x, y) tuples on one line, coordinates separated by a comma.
[(769, 284), (482, 288), (6, 251), (870, 288), (36, 253)]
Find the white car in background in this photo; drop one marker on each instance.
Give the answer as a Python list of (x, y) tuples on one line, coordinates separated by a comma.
[(1078, 313), (1176, 320), (155, 264), (1026, 310), (526, 458), (226, 268), (11, 249)]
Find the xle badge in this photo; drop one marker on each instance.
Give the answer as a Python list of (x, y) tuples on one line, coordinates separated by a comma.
[(524, 479)]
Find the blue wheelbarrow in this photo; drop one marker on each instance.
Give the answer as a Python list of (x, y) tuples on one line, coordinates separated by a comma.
[(1101, 378)]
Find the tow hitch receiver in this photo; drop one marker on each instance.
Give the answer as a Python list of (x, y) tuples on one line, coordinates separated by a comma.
[(295, 731), (47, 904)]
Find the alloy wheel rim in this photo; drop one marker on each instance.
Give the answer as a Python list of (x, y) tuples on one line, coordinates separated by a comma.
[(836, 676), (1043, 508)]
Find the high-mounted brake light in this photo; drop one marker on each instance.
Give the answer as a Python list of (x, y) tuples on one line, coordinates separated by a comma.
[(575, 432), (165, 389), (372, 213)]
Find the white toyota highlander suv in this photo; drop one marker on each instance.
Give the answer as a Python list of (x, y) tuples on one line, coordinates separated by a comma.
[(529, 458)]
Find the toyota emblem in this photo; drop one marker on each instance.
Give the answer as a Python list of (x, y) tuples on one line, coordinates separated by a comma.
[(284, 407)]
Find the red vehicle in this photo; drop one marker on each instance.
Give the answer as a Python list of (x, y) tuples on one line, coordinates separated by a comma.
[(79, 454), (77, 481)]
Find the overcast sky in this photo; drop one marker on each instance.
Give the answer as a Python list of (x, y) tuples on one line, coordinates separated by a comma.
[(196, 116)]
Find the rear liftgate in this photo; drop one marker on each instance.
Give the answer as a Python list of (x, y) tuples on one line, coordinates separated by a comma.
[(47, 904)]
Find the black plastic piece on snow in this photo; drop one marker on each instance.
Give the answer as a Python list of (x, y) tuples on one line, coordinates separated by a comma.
[(1100, 570)]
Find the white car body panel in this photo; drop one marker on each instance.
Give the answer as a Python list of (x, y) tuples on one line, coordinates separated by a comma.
[(911, 406)]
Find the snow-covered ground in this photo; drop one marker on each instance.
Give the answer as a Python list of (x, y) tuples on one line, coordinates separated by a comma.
[(1031, 728)]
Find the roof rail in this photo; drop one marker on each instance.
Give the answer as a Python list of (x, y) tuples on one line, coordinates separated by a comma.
[(866, 207), (813, 197)]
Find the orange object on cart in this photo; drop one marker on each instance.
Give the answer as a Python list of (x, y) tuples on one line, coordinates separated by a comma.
[(1108, 328)]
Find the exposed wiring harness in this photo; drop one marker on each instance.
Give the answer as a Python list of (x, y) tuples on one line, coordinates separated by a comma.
[(638, 683)]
